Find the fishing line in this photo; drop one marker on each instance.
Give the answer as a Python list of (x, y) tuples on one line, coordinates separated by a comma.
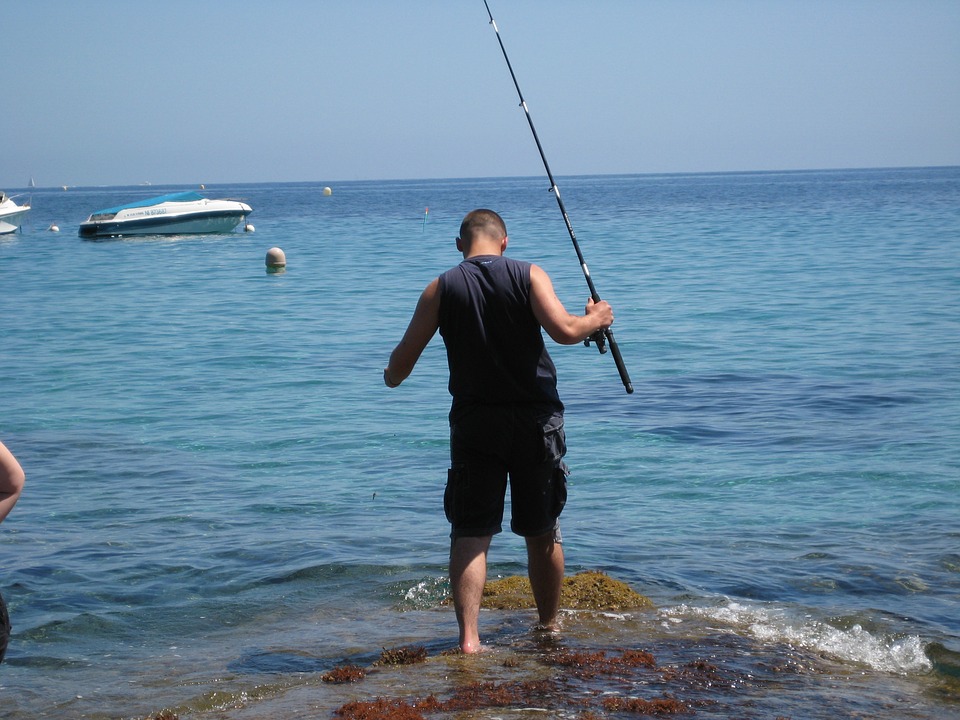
[(604, 338)]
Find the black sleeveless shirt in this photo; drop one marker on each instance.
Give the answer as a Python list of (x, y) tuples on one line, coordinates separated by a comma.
[(494, 344)]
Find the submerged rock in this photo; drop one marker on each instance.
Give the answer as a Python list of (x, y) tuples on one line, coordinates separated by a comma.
[(589, 590)]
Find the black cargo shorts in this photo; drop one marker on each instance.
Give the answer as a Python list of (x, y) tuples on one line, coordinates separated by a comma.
[(491, 446)]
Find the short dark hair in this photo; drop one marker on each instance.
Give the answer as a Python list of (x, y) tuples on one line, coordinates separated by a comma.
[(482, 221)]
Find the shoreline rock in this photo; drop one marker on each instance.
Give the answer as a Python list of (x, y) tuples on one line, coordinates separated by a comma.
[(588, 590)]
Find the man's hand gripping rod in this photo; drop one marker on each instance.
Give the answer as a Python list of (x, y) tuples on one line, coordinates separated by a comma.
[(604, 337)]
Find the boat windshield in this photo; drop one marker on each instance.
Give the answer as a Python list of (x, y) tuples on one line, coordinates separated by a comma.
[(172, 197)]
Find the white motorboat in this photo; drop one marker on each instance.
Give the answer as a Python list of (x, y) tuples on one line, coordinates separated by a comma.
[(184, 213), (11, 214)]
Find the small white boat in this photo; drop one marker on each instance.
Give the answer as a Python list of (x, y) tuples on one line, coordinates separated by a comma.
[(11, 214), (184, 213)]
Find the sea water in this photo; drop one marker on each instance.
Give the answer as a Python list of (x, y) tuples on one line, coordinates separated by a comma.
[(224, 502)]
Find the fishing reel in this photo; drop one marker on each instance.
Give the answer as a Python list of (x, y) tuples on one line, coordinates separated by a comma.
[(598, 338)]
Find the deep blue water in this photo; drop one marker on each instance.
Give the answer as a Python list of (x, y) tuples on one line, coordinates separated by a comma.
[(220, 488)]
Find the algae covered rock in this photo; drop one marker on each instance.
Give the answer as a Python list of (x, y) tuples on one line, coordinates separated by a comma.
[(589, 590)]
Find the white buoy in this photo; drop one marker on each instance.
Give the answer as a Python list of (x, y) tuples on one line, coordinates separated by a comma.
[(327, 191), (54, 228), (276, 261), (248, 228)]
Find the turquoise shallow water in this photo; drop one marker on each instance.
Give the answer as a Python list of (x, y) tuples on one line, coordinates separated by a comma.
[(223, 500)]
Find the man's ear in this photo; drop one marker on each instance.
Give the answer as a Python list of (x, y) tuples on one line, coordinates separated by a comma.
[(503, 244), (459, 245)]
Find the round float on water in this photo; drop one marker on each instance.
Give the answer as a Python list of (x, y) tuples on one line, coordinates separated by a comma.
[(54, 228), (276, 261), (327, 191), (248, 228)]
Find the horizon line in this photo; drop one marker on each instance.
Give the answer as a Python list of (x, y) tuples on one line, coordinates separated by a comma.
[(61, 187)]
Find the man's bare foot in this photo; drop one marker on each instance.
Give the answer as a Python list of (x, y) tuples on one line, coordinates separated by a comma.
[(472, 648), (551, 628)]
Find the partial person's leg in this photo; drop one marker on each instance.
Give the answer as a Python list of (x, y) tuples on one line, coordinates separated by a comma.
[(545, 568), (468, 575), (4, 628)]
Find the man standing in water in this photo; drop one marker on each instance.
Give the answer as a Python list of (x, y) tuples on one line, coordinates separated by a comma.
[(11, 484), (506, 419)]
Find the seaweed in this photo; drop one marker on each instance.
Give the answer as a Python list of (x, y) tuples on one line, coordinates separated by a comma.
[(491, 694), (379, 709), (588, 590), (550, 694), (410, 655), (345, 674), (585, 664), (656, 706)]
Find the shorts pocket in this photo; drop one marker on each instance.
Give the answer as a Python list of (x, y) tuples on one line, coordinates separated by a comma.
[(554, 438), (559, 489), (453, 494)]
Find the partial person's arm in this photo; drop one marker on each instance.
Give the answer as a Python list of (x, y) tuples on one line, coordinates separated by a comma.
[(553, 317), (11, 481), (423, 325)]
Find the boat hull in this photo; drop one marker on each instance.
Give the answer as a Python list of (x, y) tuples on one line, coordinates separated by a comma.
[(11, 215), (189, 224), (176, 214), (10, 223)]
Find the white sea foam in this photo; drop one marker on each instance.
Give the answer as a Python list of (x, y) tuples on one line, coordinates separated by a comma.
[(885, 652), (427, 593)]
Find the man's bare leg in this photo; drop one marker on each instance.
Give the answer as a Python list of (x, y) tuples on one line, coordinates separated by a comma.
[(545, 568), (468, 575)]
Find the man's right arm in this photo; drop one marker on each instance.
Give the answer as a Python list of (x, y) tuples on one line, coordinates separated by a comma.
[(11, 481), (423, 325), (553, 317)]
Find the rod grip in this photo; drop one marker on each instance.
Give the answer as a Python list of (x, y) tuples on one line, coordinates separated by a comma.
[(618, 359)]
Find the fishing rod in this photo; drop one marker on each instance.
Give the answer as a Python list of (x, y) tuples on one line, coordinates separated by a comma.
[(604, 337)]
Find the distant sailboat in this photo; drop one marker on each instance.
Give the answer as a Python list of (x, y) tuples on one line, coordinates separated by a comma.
[(33, 183)]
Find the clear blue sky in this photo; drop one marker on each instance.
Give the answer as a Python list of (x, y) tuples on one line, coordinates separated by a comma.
[(115, 92)]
